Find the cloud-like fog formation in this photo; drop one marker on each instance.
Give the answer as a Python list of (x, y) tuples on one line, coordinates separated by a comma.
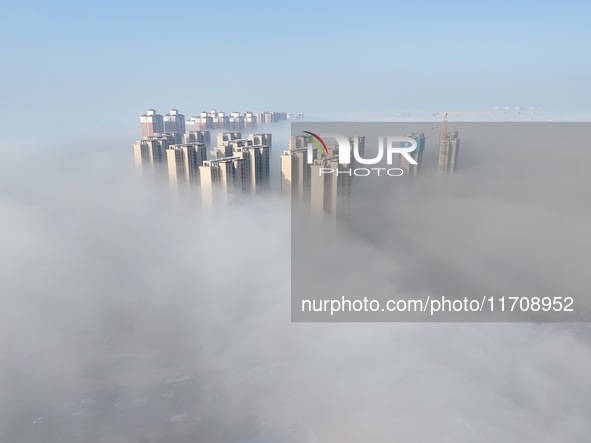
[(510, 222), (129, 314)]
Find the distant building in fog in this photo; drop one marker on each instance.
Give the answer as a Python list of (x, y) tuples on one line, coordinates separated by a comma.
[(449, 147), (326, 183), (330, 192), (235, 120), (174, 123), (265, 118), (151, 123), (295, 170), (410, 169)]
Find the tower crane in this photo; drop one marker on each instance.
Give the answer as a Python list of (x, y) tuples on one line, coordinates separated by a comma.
[(445, 114)]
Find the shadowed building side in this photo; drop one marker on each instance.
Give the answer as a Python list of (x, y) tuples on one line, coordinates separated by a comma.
[(152, 150), (409, 169), (184, 162), (449, 148)]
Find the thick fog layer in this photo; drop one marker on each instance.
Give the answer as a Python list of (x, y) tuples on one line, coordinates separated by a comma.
[(130, 314)]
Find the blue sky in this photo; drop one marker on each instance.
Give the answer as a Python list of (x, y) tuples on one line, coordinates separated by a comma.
[(95, 63)]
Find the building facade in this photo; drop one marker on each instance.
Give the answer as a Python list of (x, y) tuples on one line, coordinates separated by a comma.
[(151, 123), (449, 149), (409, 169), (183, 163)]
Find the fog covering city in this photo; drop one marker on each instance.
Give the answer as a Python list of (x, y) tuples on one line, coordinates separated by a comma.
[(130, 314), (509, 222)]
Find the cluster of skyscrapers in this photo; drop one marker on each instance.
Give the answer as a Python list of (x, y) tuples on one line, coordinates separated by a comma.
[(326, 193), (234, 120), (329, 193), (243, 163), (153, 123), (235, 162)]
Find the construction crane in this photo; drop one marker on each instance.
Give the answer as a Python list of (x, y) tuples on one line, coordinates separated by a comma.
[(445, 114)]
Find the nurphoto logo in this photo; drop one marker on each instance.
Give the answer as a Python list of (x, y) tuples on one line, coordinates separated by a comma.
[(395, 147)]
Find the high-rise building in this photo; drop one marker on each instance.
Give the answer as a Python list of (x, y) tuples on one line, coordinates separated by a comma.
[(265, 118), (449, 147), (408, 168), (205, 120), (236, 163), (297, 142), (257, 163), (296, 173), (236, 121), (278, 116), (152, 150), (184, 162), (223, 175), (295, 170), (227, 142), (224, 137), (151, 123), (330, 192), (174, 123), (360, 140), (198, 137), (225, 172), (249, 119), (193, 123), (256, 154), (326, 183), (261, 139)]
